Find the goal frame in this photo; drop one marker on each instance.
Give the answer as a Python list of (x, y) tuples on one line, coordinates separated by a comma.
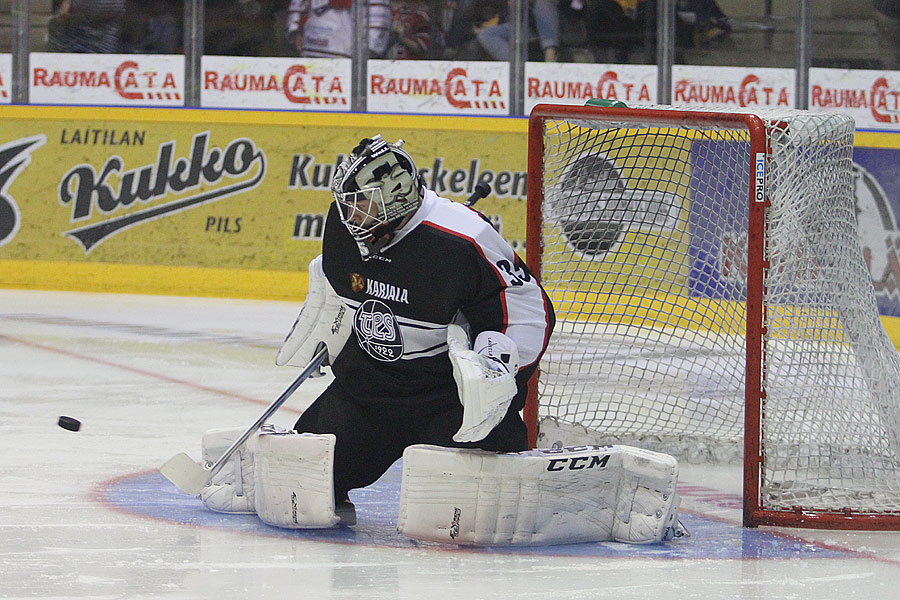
[(755, 372)]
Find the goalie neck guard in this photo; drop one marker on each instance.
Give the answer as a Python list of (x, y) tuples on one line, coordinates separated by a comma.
[(376, 188)]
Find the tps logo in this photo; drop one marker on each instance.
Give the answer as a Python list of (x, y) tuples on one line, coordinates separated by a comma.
[(378, 332), (208, 175), (14, 157)]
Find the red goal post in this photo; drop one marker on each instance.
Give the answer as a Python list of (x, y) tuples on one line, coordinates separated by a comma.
[(713, 302)]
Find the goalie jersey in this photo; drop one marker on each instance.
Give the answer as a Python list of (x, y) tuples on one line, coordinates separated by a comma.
[(446, 265)]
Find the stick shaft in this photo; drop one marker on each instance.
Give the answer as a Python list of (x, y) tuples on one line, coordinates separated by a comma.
[(481, 191), (314, 364)]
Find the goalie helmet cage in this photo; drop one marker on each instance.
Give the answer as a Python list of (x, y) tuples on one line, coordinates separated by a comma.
[(714, 302)]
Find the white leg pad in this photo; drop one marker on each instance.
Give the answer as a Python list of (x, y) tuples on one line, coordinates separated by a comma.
[(294, 485), (647, 504), (230, 490), (540, 497)]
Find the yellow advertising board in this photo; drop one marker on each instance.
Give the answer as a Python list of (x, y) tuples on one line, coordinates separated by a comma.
[(229, 203), (209, 202)]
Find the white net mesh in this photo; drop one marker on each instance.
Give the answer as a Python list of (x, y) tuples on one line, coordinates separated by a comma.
[(645, 230)]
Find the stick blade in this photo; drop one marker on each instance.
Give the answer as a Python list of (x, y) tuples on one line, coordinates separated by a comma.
[(185, 473)]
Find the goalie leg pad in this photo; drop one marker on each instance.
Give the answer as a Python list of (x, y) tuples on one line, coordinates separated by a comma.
[(231, 490), (540, 497), (647, 505), (294, 483)]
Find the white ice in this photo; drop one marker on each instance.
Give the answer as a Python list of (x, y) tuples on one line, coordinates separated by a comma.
[(147, 375)]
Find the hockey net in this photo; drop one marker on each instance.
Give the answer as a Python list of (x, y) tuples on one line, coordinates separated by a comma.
[(713, 302)]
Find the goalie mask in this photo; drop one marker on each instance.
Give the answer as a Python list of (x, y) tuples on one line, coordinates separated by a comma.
[(376, 188)]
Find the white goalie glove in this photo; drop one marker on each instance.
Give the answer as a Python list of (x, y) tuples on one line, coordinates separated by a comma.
[(485, 379), (323, 319)]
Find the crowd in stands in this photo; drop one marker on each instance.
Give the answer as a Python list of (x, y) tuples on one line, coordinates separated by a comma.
[(110, 26), (887, 23), (560, 30)]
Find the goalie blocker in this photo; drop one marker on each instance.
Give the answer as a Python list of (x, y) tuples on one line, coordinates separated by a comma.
[(539, 497)]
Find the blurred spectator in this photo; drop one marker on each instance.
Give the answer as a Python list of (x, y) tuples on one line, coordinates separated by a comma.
[(236, 27), (153, 27), (702, 21), (698, 23), (467, 17), (380, 27), (86, 26), (410, 30), (602, 30), (325, 28), (887, 20), (544, 17)]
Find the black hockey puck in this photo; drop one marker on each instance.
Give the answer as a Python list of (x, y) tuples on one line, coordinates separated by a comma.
[(69, 423)]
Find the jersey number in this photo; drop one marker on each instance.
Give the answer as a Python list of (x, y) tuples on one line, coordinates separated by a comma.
[(517, 277)]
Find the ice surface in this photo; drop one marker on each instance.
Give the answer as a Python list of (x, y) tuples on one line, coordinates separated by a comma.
[(86, 515)]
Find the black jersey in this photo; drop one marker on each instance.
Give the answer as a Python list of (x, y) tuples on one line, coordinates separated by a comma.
[(446, 265)]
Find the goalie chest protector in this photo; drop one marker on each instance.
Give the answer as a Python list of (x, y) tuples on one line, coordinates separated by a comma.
[(447, 259)]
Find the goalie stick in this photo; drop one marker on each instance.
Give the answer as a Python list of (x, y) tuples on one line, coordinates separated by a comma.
[(191, 477)]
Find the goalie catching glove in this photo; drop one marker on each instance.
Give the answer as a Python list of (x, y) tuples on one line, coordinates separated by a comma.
[(485, 379), (323, 319)]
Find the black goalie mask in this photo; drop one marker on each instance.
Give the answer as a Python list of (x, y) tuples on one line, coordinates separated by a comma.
[(376, 188)]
